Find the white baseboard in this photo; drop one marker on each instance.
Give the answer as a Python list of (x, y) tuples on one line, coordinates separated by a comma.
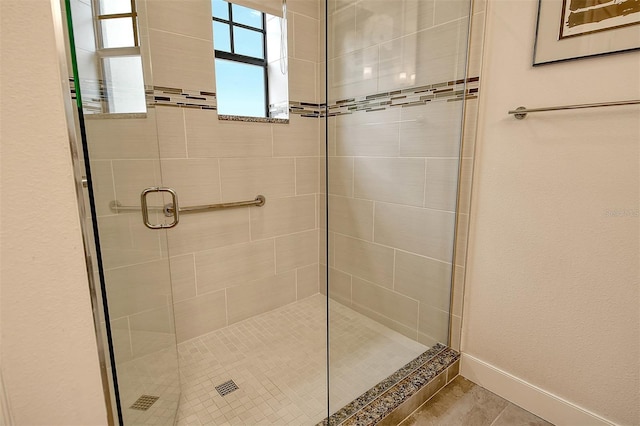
[(532, 398)]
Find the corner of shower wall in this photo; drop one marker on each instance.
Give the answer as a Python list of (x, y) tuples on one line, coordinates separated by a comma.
[(396, 92)]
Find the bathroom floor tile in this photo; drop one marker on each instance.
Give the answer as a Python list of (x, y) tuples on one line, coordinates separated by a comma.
[(514, 415), (155, 375), (462, 402)]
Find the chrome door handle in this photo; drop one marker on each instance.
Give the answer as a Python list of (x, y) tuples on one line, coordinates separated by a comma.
[(145, 208)]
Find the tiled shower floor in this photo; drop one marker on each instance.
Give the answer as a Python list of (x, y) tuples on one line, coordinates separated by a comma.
[(278, 361)]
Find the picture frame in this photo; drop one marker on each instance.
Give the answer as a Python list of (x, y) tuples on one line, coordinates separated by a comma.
[(574, 29)]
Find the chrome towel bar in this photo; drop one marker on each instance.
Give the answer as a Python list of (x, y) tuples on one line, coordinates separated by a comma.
[(521, 112), (167, 209)]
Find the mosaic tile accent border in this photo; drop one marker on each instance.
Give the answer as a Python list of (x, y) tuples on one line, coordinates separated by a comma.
[(94, 96), (448, 91), (373, 405), (183, 98), (306, 109)]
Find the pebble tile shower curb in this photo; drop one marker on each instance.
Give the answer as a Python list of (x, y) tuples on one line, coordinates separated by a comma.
[(374, 405)]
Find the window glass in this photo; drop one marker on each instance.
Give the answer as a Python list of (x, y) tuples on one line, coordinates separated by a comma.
[(121, 64), (222, 38), (110, 7), (240, 89), (117, 32), (124, 84), (244, 77), (220, 9), (248, 42), (244, 15)]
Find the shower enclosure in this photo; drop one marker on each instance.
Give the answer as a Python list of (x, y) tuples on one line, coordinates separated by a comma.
[(269, 265)]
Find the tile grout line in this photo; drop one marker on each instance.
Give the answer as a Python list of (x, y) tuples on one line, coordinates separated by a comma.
[(195, 273), (186, 142), (498, 416)]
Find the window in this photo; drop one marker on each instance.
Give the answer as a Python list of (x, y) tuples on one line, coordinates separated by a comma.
[(119, 55), (240, 60), (246, 82)]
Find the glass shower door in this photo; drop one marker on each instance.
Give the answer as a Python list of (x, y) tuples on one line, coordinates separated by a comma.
[(395, 89), (121, 158)]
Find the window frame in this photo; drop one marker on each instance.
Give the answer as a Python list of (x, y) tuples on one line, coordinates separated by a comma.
[(133, 15), (113, 52), (250, 60)]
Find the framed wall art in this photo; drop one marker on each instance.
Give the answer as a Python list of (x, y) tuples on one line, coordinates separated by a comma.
[(572, 29)]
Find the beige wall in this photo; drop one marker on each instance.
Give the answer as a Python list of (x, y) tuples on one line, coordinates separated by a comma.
[(49, 357), (393, 173), (552, 285)]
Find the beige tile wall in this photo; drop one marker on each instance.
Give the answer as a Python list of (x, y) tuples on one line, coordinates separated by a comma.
[(392, 178), (393, 174), (225, 266)]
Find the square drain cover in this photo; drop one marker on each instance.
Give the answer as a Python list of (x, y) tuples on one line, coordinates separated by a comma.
[(144, 402), (226, 388)]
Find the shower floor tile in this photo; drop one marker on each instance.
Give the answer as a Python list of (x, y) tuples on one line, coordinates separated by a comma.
[(278, 360), (153, 375)]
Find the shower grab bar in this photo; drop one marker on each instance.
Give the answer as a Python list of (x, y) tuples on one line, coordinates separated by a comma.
[(521, 112), (167, 209)]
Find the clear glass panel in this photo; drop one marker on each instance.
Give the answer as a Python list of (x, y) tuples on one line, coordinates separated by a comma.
[(244, 15), (392, 183), (386, 217), (117, 32), (122, 159), (220, 9), (124, 84), (248, 42), (221, 37), (109, 7), (240, 89)]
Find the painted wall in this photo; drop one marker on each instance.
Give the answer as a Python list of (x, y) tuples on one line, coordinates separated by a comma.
[(49, 357), (552, 283)]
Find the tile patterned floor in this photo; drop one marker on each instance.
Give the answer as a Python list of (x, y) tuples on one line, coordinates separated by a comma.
[(463, 402), (155, 374), (278, 360)]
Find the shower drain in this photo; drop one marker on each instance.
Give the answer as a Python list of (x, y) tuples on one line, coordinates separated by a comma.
[(144, 402), (227, 387)]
